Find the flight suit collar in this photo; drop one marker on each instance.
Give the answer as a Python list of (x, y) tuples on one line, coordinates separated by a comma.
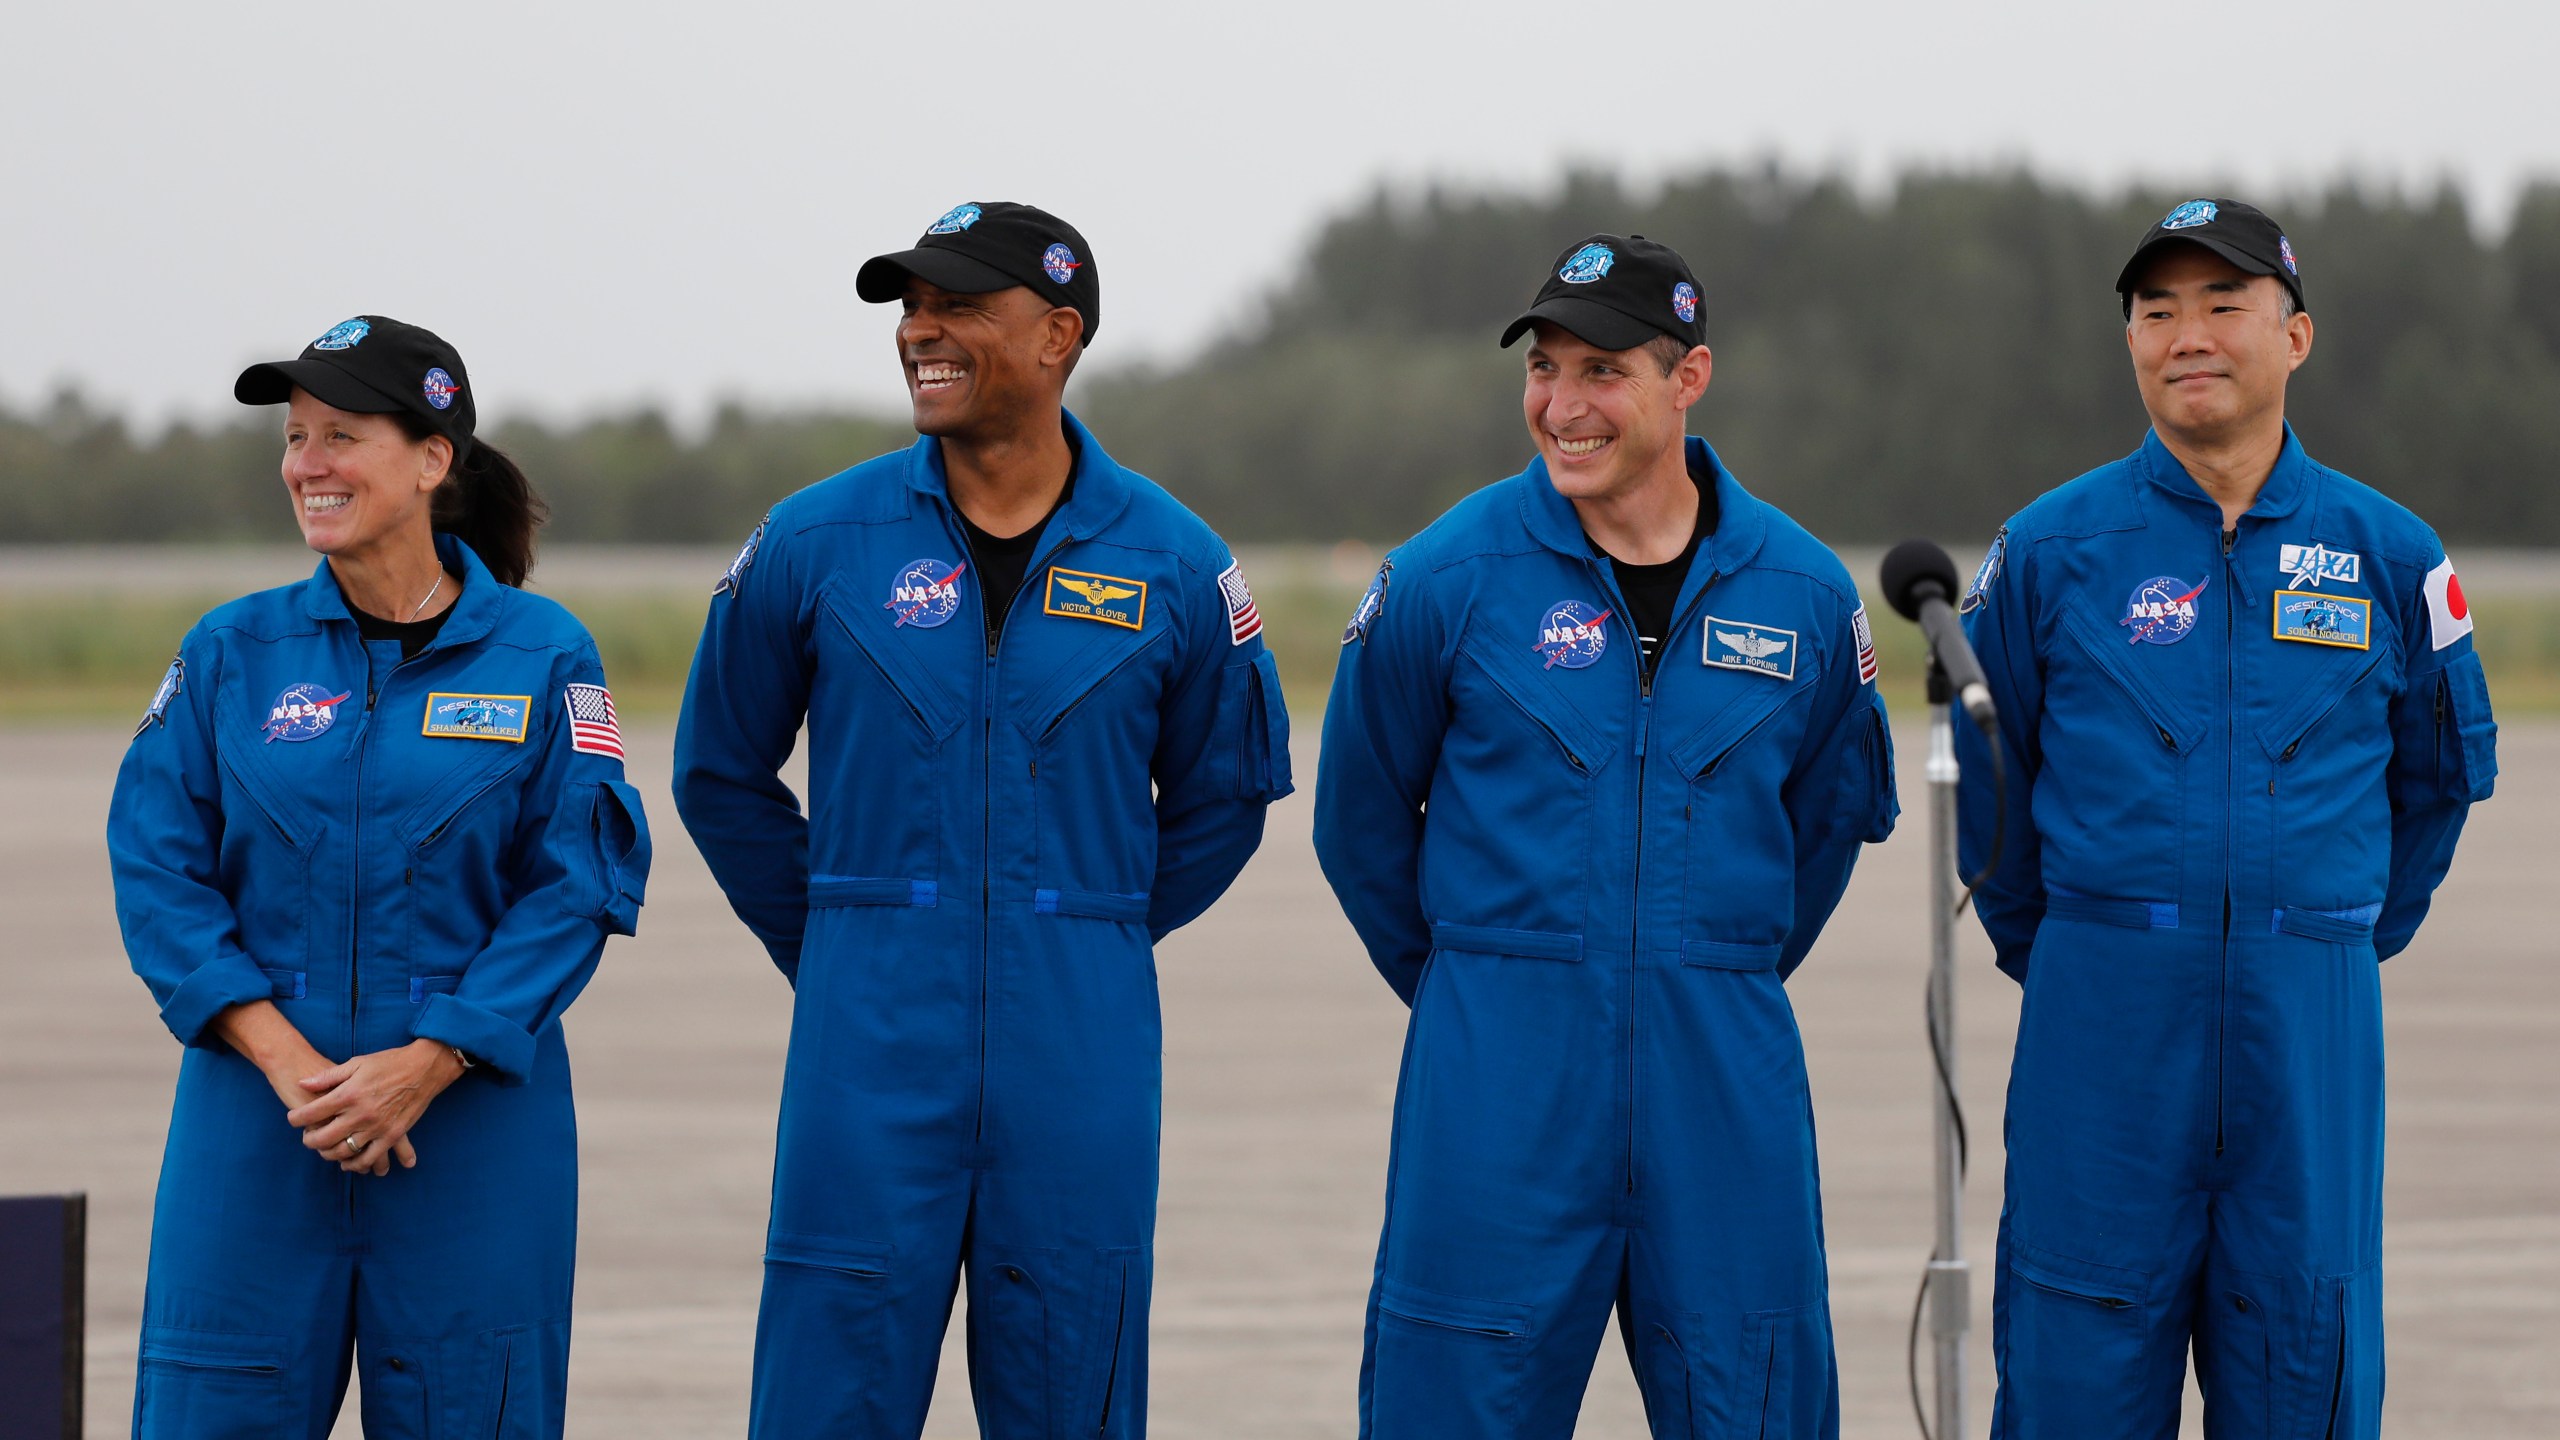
[(1741, 523), (2287, 484), (1101, 489), (475, 612)]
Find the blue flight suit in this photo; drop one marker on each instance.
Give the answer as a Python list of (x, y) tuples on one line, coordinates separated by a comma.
[(1590, 890), (998, 832), (388, 850), (2237, 766)]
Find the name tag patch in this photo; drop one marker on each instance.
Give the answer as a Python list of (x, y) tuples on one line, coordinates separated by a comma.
[(1760, 649), (2340, 620), (477, 717), (1082, 595)]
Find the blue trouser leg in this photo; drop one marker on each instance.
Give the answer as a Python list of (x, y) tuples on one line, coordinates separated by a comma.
[(444, 1290)]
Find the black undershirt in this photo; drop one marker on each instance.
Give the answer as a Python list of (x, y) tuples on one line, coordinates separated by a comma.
[(1001, 560), (1652, 590), (413, 635)]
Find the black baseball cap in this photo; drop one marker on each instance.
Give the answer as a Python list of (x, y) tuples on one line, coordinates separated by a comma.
[(1618, 292), (994, 245), (375, 365), (2242, 234)]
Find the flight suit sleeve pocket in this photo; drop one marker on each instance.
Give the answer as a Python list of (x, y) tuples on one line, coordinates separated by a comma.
[(615, 869), (1253, 716), (1870, 804), (2474, 727), (209, 1385)]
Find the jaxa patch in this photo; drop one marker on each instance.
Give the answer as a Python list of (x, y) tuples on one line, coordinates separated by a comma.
[(2341, 620), (303, 712), (1082, 595), (1373, 603), (1572, 634), (2311, 564), (1980, 589), (477, 717), (926, 593), (170, 684), (727, 584), (2162, 610), (1760, 649)]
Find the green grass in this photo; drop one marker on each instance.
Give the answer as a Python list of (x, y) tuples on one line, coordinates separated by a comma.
[(94, 657)]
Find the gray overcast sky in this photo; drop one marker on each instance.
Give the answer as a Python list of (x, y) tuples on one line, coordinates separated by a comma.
[(606, 204)]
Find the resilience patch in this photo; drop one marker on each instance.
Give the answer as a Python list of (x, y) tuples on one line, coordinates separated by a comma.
[(2341, 620), (477, 717)]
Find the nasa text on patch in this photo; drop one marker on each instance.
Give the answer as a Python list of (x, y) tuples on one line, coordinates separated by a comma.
[(2311, 564), (477, 717), (1573, 634), (2342, 620), (304, 711), (1082, 595), (170, 685), (1760, 649), (925, 593), (2162, 610)]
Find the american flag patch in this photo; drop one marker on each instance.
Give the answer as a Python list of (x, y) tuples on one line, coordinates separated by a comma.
[(1243, 620), (591, 724), (1866, 637)]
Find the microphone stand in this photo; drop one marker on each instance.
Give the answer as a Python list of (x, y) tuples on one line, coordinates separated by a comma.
[(1950, 1299)]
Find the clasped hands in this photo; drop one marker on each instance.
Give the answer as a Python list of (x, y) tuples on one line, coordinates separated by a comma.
[(357, 1113)]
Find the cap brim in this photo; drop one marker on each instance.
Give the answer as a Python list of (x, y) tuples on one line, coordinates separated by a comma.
[(1588, 321), (274, 383), (883, 278), (2142, 253)]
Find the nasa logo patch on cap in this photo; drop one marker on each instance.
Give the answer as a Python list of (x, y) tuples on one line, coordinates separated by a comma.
[(2190, 215), (439, 388), (1684, 301), (2284, 251), (1059, 263)]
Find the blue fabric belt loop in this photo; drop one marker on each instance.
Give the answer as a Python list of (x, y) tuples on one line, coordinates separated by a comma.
[(289, 984), (2125, 914), (833, 891), (422, 986), (1492, 940), (1730, 955), (1091, 904), (2343, 925)]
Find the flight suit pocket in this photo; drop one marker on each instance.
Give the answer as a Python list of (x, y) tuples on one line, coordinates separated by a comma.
[(824, 1301), (873, 683), (1446, 1364), (2077, 1332), (2467, 731), (1091, 730), (211, 1385), (613, 852), (2140, 792), (273, 891), (1254, 719), (1740, 902), (1534, 826), (523, 1380), (1785, 1386)]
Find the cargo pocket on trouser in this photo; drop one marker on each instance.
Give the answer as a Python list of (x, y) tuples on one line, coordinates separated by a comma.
[(2077, 1337), (393, 1390), (208, 1385), (1668, 1379), (1787, 1387), (2355, 1393), (818, 1340), (1058, 1341), (1445, 1365), (523, 1383)]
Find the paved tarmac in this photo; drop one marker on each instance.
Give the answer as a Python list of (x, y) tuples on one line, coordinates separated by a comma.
[(1281, 1049)]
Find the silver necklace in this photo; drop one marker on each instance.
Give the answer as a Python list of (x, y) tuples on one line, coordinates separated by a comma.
[(431, 594)]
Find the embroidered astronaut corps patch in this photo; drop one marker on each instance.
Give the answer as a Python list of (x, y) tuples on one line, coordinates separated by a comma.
[(170, 685), (727, 584), (1373, 603)]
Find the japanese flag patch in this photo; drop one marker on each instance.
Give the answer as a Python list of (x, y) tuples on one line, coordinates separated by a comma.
[(1866, 637), (1243, 620), (2448, 614), (592, 728)]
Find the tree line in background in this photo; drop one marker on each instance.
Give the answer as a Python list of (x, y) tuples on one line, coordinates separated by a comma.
[(1918, 362)]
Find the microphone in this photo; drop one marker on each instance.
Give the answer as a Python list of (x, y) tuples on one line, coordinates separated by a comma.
[(1920, 584)]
